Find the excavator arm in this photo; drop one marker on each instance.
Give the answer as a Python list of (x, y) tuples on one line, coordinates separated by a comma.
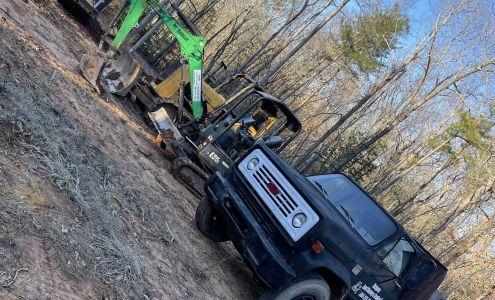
[(191, 45)]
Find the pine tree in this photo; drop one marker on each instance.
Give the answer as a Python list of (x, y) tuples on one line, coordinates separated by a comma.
[(367, 41)]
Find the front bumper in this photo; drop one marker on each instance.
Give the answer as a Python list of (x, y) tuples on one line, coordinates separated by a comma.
[(252, 242)]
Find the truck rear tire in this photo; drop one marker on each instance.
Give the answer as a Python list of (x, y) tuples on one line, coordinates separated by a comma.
[(308, 287), (210, 225)]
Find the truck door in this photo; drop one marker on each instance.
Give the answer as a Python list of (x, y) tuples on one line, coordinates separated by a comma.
[(382, 278), (424, 277)]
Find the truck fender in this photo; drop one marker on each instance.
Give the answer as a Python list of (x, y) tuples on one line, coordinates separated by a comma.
[(329, 265)]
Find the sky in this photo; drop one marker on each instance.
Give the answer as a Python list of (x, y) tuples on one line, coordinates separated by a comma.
[(419, 14)]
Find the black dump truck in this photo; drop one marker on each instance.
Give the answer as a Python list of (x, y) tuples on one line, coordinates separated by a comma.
[(318, 237)]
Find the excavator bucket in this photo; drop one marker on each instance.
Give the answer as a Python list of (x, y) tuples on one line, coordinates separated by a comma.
[(91, 66), (165, 125), (121, 73), (118, 74)]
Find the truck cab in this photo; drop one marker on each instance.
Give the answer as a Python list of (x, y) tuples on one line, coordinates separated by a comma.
[(317, 237)]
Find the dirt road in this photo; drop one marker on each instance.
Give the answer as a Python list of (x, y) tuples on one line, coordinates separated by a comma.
[(87, 207)]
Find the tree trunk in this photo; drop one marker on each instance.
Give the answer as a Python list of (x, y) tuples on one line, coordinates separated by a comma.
[(377, 191), (401, 207), (223, 47), (408, 111), (250, 59), (394, 73), (303, 42), (302, 83), (294, 36), (371, 92)]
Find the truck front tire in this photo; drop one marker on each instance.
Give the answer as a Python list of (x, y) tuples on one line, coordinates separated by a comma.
[(210, 225), (307, 287)]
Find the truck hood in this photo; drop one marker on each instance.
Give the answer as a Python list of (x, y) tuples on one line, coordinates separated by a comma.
[(332, 229)]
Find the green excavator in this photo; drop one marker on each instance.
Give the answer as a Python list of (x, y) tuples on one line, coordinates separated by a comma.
[(202, 131), (119, 71)]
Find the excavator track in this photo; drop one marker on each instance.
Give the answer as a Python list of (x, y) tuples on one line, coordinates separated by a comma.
[(190, 175)]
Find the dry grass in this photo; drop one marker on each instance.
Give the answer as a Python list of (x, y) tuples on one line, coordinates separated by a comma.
[(75, 186), (92, 242)]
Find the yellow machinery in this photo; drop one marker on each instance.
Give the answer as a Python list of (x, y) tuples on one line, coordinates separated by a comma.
[(169, 89)]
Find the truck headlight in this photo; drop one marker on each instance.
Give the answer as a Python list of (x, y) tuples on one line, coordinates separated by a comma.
[(299, 220), (253, 163)]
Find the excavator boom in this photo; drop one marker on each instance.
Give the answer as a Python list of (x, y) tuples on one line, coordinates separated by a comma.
[(191, 47)]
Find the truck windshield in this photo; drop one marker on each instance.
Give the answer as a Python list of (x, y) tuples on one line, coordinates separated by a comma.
[(362, 213)]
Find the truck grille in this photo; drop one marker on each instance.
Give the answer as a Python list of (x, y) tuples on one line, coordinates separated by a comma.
[(277, 194), (255, 209), (283, 201)]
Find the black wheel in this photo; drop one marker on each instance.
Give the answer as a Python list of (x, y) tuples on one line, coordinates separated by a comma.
[(209, 223), (307, 287), (190, 175)]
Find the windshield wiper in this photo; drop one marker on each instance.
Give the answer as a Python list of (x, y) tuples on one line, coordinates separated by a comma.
[(321, 188), (348, 215)]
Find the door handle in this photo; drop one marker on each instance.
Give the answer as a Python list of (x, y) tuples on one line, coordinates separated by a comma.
[(397, 284)]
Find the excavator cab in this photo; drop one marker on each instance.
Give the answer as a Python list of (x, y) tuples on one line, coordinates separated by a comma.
[(229, 133), (234, 133)]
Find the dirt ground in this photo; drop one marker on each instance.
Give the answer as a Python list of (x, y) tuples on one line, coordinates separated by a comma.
[(87, 206)]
